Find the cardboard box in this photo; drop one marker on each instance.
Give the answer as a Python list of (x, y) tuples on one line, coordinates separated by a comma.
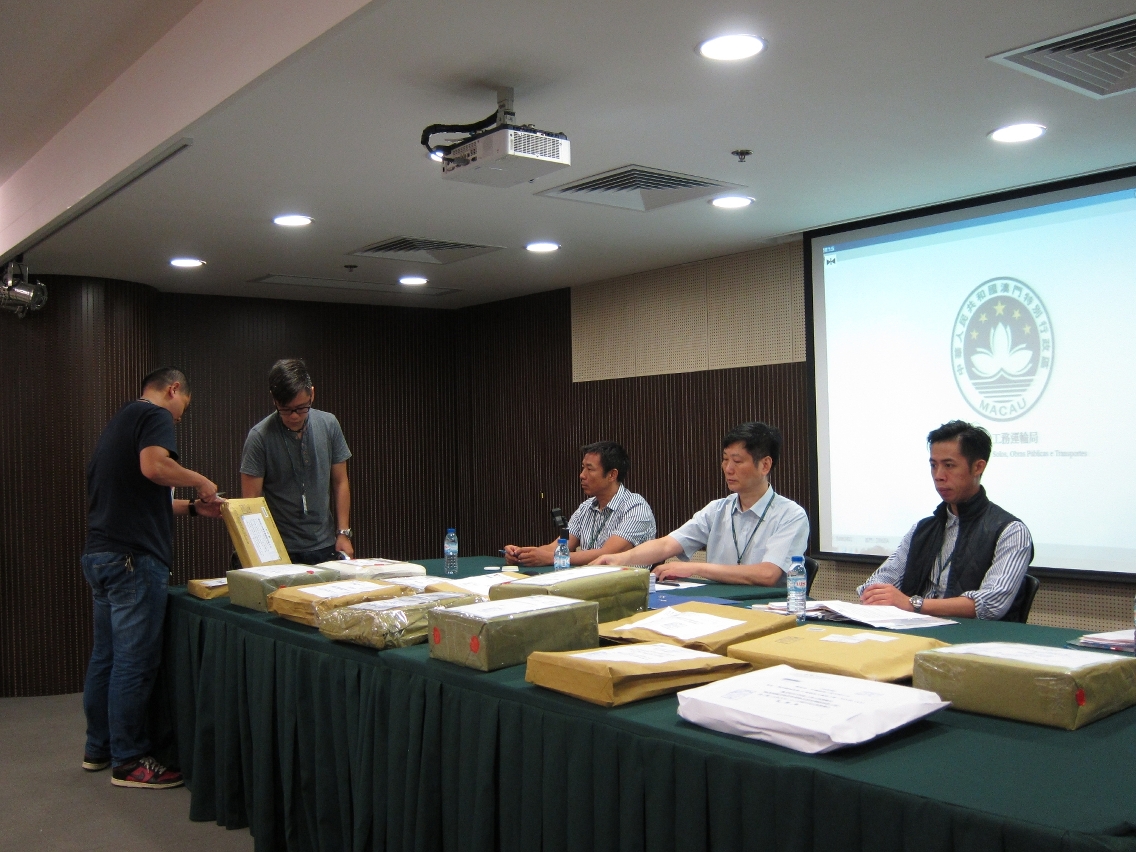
[(496, 634), (870, 654), (307, 604), (208, 589), (372, 569), (611, 676), (254, 533), (250, 587), (702, 626), (479, 586), (620, 592), (1060, 687), (393, 623)]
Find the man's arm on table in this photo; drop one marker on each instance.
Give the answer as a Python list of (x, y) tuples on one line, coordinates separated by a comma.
[(759, 574), (648, 553), (535, 557), (341, 492)]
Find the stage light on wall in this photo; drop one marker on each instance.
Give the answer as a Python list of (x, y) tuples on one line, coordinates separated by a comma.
[(18, 294)]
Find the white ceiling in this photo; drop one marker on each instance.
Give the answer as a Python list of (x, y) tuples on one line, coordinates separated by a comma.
[(854, 109)]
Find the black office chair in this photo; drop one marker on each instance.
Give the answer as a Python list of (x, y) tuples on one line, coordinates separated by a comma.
[(811, 568), (1023, 601)]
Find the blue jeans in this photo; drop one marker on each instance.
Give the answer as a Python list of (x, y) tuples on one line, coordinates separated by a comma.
[(130, 605)]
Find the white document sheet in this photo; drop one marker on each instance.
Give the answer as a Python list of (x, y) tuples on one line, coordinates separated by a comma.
[(845, 639), (554, 577), (476, 585), (335, 590), (512, 606), (673, 585), (260, 537), (1064, 658), (805, 711), (890, 617), (683, 626), (271, 571), (645, 653), (214, 584), (418, 583)]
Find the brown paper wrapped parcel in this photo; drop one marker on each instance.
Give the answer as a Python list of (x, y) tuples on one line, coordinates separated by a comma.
[(372, 569), (479, 586), (620, 592), (253, 532), (250, 587), (308, 604), (870, 654), (1061, 687), (702, 626), (611, 676), (393, 623), (208, 589), (496, 634)]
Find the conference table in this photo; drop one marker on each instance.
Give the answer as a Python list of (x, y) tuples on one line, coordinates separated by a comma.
[(319, 745)]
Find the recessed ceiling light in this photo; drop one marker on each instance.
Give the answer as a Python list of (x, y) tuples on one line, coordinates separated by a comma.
[(1017, 132), (293, 220), (186, 262), (540, 248), (731, 47), (412, 279), (436, 155), (732, 202)]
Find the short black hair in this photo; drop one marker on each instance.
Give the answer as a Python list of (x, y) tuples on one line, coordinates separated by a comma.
[(974, 441), (760, 440), (612, 456), (287, 379), (163, 377)]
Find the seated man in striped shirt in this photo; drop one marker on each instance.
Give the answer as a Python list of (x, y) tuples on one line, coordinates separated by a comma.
[(611, 520), (968, 559)]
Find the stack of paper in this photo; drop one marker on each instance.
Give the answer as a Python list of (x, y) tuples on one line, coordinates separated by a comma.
[(805, 711), (705, 627), (890, 617), (372, 569), (612, 676), (1116, 640), (208, 589)]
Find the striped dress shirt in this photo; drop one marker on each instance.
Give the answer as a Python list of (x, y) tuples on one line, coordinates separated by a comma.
[(993, 598), (626, 515)]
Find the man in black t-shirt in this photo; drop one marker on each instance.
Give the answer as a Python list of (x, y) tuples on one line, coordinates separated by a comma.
[(126, 560)]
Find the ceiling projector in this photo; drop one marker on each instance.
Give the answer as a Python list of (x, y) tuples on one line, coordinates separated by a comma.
[(498, 152)]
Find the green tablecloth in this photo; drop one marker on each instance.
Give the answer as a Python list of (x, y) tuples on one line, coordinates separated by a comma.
[(317, 745)]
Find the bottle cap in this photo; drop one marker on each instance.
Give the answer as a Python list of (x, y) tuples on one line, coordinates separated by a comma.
[(798, 559), (451, 529)]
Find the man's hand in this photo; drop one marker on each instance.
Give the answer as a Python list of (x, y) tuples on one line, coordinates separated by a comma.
[(674, 570), (512, 554), (207, 493), (881, 594), (343, 543), (209, 508), (530, 557), (610, 559)]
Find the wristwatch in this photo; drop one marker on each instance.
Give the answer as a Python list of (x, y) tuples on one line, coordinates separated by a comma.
[(193, 508), (916, 602), (346, 532)]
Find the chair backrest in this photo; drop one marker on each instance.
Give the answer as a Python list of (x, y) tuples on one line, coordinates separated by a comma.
[(811, 568), (1023, 601)]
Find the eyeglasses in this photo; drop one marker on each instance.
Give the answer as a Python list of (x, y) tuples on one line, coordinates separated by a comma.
[(299, 409)]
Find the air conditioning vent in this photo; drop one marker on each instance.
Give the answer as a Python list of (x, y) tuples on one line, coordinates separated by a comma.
[(423, 251), (639, 188), (1099, 61), (352, 284)]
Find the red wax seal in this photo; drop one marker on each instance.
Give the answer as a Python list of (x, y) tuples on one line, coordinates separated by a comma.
[(474, 644), (437, 635), (310, 571), (1080, 698)]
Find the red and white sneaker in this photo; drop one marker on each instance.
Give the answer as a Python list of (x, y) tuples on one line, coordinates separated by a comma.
[(146, 773)]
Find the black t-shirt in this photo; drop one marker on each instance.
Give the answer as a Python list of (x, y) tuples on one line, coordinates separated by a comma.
[(127, 513)]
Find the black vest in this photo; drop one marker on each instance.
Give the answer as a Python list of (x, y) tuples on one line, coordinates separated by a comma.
[(980, 524)]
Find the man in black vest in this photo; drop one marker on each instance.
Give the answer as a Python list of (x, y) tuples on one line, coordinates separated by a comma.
[(968, 559)]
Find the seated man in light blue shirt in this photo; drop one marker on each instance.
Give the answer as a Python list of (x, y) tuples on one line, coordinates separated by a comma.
[(750, 537), (611, 520)]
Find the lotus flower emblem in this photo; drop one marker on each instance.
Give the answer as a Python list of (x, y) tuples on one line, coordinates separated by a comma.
[(1002, 356)]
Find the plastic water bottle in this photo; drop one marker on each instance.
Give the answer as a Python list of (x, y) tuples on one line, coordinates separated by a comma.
[(560, 558), (797, 583), (450, 551)]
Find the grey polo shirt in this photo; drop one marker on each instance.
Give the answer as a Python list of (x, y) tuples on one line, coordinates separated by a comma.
[(724, 530), (294, 469)]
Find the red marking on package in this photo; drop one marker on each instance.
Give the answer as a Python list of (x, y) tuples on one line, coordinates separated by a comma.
[(1080, 698), (437, 635), (474, 644)]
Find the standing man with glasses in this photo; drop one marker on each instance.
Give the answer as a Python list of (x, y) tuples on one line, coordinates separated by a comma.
[(750, 537), (296, 458), (126, 561)]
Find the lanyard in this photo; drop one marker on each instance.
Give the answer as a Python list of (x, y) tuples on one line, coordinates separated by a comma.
[(300, 477), (596, 535), (939, 569), (734, 530)]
